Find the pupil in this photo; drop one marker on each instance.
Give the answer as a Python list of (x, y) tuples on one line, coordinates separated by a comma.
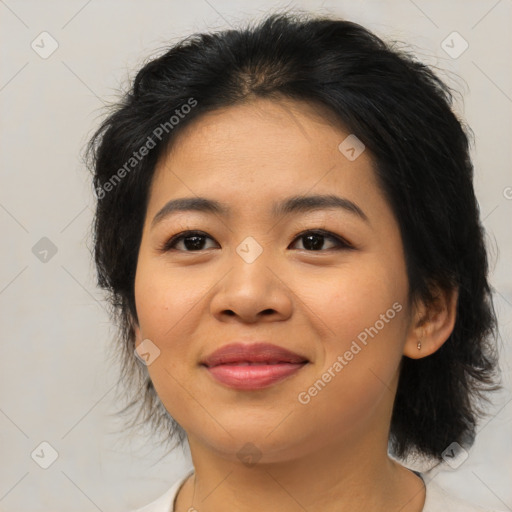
[(196, 244), (313, 245)]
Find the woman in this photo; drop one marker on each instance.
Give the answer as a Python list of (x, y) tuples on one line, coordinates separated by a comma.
[(287, 226)]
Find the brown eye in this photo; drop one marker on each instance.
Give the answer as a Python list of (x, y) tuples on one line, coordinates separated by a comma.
[(191, 241), (314, 240)]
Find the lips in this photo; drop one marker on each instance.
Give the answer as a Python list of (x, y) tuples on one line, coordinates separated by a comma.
[(252, 367), (253, 354)]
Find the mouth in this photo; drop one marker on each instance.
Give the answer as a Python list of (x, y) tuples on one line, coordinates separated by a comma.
[(254, 366)]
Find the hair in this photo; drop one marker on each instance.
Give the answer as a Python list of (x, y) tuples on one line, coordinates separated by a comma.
[(401, 110)]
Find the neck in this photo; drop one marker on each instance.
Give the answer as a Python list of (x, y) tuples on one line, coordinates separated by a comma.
[(345, 477)]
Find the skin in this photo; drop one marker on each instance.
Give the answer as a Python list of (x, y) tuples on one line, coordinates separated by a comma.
[(331, 453)]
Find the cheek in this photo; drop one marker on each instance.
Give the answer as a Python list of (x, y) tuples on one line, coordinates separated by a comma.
[(164, 298), (166, 302), (366, 317), (357, 298)]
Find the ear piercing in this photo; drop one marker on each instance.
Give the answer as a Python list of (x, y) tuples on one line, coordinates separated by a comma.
[(419, 345)]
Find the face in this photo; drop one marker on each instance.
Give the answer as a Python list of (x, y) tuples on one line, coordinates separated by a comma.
[(324, 281)]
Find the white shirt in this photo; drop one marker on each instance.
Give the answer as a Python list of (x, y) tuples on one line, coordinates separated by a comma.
[(436, 500)]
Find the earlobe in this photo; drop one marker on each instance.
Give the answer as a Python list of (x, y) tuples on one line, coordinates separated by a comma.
[(433, 325)]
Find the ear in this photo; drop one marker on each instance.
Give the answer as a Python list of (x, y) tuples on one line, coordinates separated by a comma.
[(432, 324)]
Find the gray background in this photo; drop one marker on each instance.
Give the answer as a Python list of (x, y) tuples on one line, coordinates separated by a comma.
[(56, 377)]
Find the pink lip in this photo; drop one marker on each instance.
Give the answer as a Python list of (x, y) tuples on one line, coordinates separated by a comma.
[(253, 366)]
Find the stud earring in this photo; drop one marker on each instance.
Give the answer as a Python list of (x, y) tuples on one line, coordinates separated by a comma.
[(419, 345)]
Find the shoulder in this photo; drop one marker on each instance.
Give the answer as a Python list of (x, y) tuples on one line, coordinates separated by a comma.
[(438, 500), (165, 503)]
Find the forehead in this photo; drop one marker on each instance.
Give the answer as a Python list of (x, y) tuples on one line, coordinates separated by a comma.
[(267, 127), (261, 151), (254, 157)]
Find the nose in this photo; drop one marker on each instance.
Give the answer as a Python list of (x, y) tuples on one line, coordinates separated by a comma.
[(252, 292)]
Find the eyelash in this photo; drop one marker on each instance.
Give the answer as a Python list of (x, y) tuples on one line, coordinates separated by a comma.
[(342, 244)]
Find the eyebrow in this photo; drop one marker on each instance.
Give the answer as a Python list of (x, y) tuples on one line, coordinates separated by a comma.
[(295, 204)]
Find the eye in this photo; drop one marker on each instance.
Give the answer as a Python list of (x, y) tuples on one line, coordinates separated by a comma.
[(313, 240), (192, 241)]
